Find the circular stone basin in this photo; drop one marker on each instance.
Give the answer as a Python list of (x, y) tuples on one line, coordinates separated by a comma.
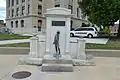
[(21, 74)]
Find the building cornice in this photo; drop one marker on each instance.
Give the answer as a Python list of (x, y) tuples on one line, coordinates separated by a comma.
[(21, 17)]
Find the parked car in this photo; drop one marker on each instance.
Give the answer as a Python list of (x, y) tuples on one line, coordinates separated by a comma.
[(85, 32)]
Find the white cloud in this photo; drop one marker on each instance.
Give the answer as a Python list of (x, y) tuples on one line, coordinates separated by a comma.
[(2, 9), (2, 3)]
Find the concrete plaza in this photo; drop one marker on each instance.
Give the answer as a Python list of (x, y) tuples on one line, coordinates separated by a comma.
[(106, 68)]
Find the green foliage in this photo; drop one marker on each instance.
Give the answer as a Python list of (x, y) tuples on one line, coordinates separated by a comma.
[(85, 25), (16, 45), (13, 36), (101, 12), (111, 44), (106, 30)]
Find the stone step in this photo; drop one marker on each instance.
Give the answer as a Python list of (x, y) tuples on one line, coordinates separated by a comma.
[(57, 61), (62, 57), (57, 68)]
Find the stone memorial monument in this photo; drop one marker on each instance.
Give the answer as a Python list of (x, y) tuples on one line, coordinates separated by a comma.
[(57, 56), (56, 51), (53, 52)]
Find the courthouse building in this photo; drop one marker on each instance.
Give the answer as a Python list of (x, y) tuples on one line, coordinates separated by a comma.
[(27, 16)]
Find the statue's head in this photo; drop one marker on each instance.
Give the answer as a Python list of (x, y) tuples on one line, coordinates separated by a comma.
[(58, 32)]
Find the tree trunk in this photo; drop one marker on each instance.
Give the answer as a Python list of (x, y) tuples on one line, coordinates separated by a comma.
[(118, 30)]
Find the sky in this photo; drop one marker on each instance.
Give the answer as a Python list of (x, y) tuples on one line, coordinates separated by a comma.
[(2, 9)]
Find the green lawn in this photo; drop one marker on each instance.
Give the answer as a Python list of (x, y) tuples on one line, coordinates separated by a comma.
[(12, 36), (113, 43), (16, 45)]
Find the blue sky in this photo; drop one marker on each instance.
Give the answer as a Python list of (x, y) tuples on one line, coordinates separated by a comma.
[(2, 10)]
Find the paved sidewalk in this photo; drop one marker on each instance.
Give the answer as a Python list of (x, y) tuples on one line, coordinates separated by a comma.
[(14, 41), (7, 64), (106, 68)]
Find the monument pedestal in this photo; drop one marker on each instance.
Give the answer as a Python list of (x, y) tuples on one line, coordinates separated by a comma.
[(30, 60), (63, 64)]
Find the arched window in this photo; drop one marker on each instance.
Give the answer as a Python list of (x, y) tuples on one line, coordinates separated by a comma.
[(16, 23), (23, 8), (11, 24), (28, 9), (12, 12), (22, 23)]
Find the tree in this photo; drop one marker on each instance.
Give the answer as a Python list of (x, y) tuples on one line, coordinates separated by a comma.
[(101, 12), (85, 25)]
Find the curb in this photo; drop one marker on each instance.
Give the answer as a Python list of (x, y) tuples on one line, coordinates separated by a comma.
[(105, 50)]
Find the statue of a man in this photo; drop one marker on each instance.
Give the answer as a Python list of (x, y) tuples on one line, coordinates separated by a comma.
[(56, 43)]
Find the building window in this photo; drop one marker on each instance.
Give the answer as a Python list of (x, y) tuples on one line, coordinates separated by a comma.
[(17, 2), (40, 0), (77, 12), (71, 23), (8, 14), (70, 7), (23, 1), (12, 2), (22, 23), (39, 25), (34, 26), (23, 8), (28, 9), (8, 3), (39, 13), (17, 10), (58, 5), (11, 24), (16, 23), (39, 7), (12, 12)]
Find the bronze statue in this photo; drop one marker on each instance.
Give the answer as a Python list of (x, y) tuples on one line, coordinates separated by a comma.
[(56, 43)]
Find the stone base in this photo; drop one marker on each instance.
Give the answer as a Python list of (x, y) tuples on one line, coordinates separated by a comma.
[(30, 60), (88, 61), (77, 62), (63, 64)]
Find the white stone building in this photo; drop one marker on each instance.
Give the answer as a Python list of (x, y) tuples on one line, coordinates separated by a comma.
[(24, 16), (27, 16)]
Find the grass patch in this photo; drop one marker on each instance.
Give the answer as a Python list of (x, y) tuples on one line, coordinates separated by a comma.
[(16, 45), (12, 36), (113, 43)]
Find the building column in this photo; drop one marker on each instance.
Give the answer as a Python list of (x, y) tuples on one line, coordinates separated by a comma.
[(10, 8), (26, 7)]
